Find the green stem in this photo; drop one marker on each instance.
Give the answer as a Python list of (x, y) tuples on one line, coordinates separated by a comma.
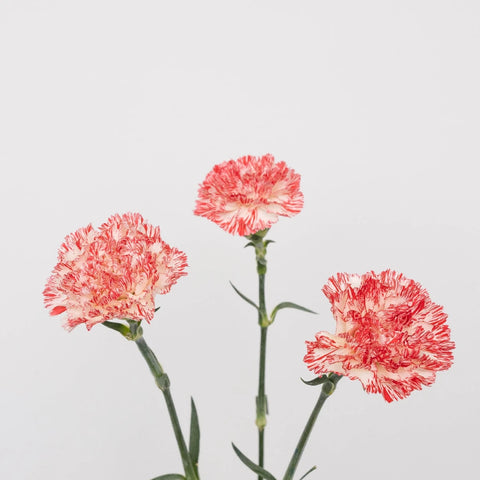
[(327, 389), (163, 383), (150, 358), (262, 310), (186, 460), (262, 408), (257, 240)]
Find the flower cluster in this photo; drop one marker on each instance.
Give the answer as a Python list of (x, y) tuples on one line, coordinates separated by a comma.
[(112, 272), (249, 194), (389, 334)]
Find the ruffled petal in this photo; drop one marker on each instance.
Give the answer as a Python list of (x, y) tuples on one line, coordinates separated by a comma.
[(247, 195), (389, 334), (112, 272)]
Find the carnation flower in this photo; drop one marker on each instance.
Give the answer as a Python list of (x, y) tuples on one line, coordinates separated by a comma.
[(389, 334), (249, 194), (112, 272)]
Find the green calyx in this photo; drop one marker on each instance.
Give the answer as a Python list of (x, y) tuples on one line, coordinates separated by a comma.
[(257, 236), (133, 331), (330, 385), (257, 241)]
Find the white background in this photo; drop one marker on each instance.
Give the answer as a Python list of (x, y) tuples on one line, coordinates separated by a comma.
[(115, 106)]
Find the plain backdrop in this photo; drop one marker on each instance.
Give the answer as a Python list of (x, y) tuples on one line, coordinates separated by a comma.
[(116, 106)]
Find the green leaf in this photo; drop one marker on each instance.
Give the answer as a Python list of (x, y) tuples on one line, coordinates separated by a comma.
[(315, 381), (288, 305), (249, 244), (157, 309), (170, 476), (243, 296), (268, 242), (194, 444), (310, 471), (119, 327), (253, 466)]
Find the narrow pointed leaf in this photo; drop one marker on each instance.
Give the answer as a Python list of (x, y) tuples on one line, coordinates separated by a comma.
[(268, 242), (119, 327), (243, 296), (249, 244), (310, 471), (315, 381), (288, 305), (253, 466), (170, 476), (194, 444), (156, 310)]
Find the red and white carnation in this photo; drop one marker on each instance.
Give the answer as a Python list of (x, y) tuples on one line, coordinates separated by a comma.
[(247, 195), (389, 334), (112, 272)]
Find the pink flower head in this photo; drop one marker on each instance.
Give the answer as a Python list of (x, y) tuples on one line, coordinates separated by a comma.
[(247, 195), (389, 334), (112, 272)]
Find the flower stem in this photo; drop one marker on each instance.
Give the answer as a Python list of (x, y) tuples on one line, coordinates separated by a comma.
[(263, 321), (262, 408), (163, 383), (327, 389)]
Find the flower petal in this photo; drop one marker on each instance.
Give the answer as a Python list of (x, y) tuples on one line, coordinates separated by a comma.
[(247, 195), (389, 334)]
